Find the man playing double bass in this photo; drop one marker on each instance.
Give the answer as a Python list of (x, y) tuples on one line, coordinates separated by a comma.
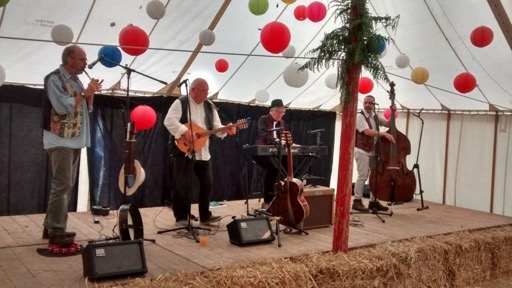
[(366, 137)]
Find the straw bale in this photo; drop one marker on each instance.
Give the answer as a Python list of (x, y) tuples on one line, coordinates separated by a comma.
[(454, 260)]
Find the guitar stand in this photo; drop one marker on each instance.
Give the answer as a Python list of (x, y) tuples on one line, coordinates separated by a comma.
[(193, 230), (288, 230), (375, 212)]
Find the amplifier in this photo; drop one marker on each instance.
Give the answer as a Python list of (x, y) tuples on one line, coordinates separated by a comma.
[(110, 259), (321, 205), (250, 231)]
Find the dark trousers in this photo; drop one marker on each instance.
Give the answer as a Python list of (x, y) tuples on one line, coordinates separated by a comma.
[(271, 176), (184, 172)]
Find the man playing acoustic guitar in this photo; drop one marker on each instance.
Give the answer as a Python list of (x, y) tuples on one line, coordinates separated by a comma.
[(193, 161)]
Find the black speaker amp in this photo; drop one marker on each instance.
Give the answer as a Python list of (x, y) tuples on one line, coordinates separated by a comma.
[(111, 259), (250, 231)]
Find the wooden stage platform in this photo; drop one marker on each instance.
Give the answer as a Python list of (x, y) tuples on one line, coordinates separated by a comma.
[(20, 236)]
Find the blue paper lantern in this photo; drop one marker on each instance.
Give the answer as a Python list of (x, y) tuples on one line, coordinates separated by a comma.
[(110, 56), (381, 45)]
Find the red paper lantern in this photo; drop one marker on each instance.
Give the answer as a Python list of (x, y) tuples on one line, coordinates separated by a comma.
[(221, 65), (133, 40), (481, 36), (301, 12), (365, 85), (316, 11), (464, 82), (144, 117), (387, 114), (275, 37)]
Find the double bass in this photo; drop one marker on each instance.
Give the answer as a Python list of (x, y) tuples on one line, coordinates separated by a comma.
[(289, 202), (391, 180)]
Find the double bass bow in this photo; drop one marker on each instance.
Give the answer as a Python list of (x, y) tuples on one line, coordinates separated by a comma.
[(391, 180)]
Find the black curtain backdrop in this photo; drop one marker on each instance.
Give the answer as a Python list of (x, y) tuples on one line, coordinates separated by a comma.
[(25, 171)]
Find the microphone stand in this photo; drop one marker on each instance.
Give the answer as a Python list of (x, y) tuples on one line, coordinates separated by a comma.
[(190, 227), (130, 129), (416, 165)]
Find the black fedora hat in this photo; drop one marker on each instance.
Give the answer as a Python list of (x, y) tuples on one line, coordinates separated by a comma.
[(276, 103)]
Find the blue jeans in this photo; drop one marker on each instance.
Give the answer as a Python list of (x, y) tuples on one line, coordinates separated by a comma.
[(64, 162)]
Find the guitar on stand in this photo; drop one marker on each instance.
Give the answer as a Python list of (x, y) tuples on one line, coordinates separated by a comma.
[(289, 205)]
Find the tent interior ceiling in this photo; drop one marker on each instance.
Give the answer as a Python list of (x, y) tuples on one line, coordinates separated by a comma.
[(435, 34)]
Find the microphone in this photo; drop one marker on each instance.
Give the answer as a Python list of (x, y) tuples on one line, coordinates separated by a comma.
[(316, 131), (90, 66), (276, 129), (182, 82)]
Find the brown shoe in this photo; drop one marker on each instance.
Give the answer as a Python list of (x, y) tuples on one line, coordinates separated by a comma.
[(61, 240), (46, 235), (376, 205), (359, 206)]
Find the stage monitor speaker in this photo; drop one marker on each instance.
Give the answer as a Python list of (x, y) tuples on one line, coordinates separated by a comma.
[(111, 259), (321, 207), (250, 231)]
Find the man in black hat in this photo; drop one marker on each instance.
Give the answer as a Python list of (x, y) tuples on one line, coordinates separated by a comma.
[(269, 132)]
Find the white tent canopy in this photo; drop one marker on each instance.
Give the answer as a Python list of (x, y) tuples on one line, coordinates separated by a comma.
[(434, 34)]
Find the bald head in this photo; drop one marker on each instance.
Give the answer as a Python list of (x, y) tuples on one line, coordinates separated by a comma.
[(199, 90)]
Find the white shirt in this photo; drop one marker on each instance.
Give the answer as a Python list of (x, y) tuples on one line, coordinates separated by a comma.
[(172, 123)]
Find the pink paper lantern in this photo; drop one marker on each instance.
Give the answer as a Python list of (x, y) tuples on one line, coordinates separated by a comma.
[(143, 117), (365, 85), (221, 65), (387, 114), (133, 40), (316, 11), (301, 12), (481, 36), (275, 37), (464, 82)]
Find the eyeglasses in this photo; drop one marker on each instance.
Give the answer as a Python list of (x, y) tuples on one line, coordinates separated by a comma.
[(368, 102)]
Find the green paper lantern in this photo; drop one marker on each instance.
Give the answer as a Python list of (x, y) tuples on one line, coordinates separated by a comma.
[(3, 3), (258, 7)]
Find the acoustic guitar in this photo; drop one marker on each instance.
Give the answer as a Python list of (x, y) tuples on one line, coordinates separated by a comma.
[(289, 202), (203, 134)]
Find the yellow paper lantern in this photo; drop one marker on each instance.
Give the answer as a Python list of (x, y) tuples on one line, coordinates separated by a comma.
[(419, 75), (288, 1)]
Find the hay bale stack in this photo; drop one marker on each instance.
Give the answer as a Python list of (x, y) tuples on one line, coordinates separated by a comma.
[(455, 260)]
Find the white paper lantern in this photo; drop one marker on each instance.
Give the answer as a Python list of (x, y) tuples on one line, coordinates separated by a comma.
[(289, 52), (2, 75), (330, 80), (155, 9), (402, 61), (262, 96), (62, 35), (207, 37), (294, 77)]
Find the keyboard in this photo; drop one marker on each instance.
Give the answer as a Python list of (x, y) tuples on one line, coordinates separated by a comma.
[(272, 150)]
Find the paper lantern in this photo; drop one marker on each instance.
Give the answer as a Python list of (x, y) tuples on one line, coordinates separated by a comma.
[(464, 82), (62, 35), (110, 56), (275, 37), (383, 53), (155, 9), (381, 45), (294, 77), (387, 114), (289, 52), (262, 96), (316, 11), (133, 40), (301, 12), (419, 75), (330, 80), (221, 65), (402, 61), (258, 7), (143, 117), (207, 37), (482, 36), (2, 75), (3, 3), (365, 85), (288, 2)]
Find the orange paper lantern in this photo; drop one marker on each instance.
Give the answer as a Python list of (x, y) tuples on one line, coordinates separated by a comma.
[(419, 75)]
